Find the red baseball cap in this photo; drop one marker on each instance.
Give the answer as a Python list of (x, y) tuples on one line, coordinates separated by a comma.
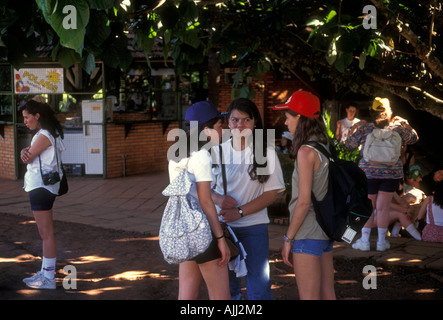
[(302, 102)]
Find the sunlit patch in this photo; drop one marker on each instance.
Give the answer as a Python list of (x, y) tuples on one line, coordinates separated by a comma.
[(274, 287), (28, 292), (89, 259), (20, 258), (131, 275), (384, 273), (27, 222), (287, 275), (95, 292), (425, 291), (137, 239), (407, 261), (160, 276), (414, 260), (347, 282), (393, 259)]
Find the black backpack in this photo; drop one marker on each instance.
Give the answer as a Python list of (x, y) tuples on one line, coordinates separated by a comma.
[(346, 207)]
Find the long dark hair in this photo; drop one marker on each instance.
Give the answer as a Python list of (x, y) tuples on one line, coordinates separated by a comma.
[(249, 107), (47, 118), (308, 129), (210, 124)]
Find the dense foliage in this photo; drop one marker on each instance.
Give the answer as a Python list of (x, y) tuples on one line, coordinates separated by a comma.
[(338, 45)]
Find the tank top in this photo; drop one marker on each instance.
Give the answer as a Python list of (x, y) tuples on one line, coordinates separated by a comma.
[(310, 229)]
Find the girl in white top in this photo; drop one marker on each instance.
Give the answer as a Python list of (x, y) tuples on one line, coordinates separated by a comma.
[(251, 187), (45, 148), (344, 125), (212, 264)]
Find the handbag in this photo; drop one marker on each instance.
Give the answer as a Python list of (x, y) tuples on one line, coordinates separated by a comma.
[(184, 229), (235, 251), (64, 188), (54, 177)]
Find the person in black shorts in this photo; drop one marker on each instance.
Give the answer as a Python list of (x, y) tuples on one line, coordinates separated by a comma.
[(42, 182)]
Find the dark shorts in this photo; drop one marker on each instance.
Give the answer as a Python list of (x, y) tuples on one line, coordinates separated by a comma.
[(210, 254), (386, 185), (41, 199)]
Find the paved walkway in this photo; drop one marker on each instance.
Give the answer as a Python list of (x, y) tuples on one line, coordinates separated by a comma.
[(135, 203)]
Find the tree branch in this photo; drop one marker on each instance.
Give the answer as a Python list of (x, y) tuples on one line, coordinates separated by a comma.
[(423, 52)]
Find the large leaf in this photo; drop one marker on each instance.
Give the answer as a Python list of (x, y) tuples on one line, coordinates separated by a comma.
[(67, 57), (100, 4), (98, 29), (69, 25), (7, 18)]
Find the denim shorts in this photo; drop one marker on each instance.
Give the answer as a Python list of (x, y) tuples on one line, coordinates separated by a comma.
[(313, 247), (41, 199)]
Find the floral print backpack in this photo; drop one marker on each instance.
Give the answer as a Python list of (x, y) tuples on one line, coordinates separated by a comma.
[(184, 230)]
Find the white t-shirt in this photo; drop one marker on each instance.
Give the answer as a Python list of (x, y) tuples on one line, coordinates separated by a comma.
[(239, 183), (33, 178), (199, 169), (346, 124)]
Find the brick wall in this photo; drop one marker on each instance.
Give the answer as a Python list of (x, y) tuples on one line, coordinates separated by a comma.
[(145, 148), (7, 154)]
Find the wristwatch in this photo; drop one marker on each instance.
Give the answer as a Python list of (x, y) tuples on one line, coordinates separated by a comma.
[(240, 211), (286, 239)]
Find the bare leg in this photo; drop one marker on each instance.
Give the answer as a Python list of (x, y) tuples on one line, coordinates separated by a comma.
[(216, 279), (46, 230), (189, 281)]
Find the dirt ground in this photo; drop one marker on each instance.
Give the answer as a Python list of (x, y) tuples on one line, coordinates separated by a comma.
[(115, 265)]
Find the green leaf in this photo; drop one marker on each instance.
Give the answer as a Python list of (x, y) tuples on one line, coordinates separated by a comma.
[(343, 61), (67, 57), (98, 29), (88, 63), (191, 38), (100, 4), (331, 56), (225, 54), (144, 42), (331, 15), (362, 61), (69, 26), (169, 15), (8, 17)]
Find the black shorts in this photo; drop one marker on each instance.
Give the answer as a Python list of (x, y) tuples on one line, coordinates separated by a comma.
[(212, 253), (386, 185), (41, 199)]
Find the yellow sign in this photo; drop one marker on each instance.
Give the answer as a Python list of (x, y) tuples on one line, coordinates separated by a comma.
[(38, 80)]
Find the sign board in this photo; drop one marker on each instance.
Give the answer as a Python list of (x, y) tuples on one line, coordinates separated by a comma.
[(38, 80)]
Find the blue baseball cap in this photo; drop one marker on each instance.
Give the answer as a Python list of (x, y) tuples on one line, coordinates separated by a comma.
[(203, 111)]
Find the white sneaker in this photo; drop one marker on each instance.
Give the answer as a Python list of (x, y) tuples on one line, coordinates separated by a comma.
[(361, 245), (42, 283), (382, 246), (33, 278)]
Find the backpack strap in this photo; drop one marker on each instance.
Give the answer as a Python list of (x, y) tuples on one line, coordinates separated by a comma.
[(320, 148), (323, 150), (222, 168)]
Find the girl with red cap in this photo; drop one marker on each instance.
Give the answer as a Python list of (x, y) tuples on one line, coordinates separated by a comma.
[(311, 248)]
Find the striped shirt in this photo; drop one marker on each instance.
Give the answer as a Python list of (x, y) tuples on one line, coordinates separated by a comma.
[(380, 171)]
